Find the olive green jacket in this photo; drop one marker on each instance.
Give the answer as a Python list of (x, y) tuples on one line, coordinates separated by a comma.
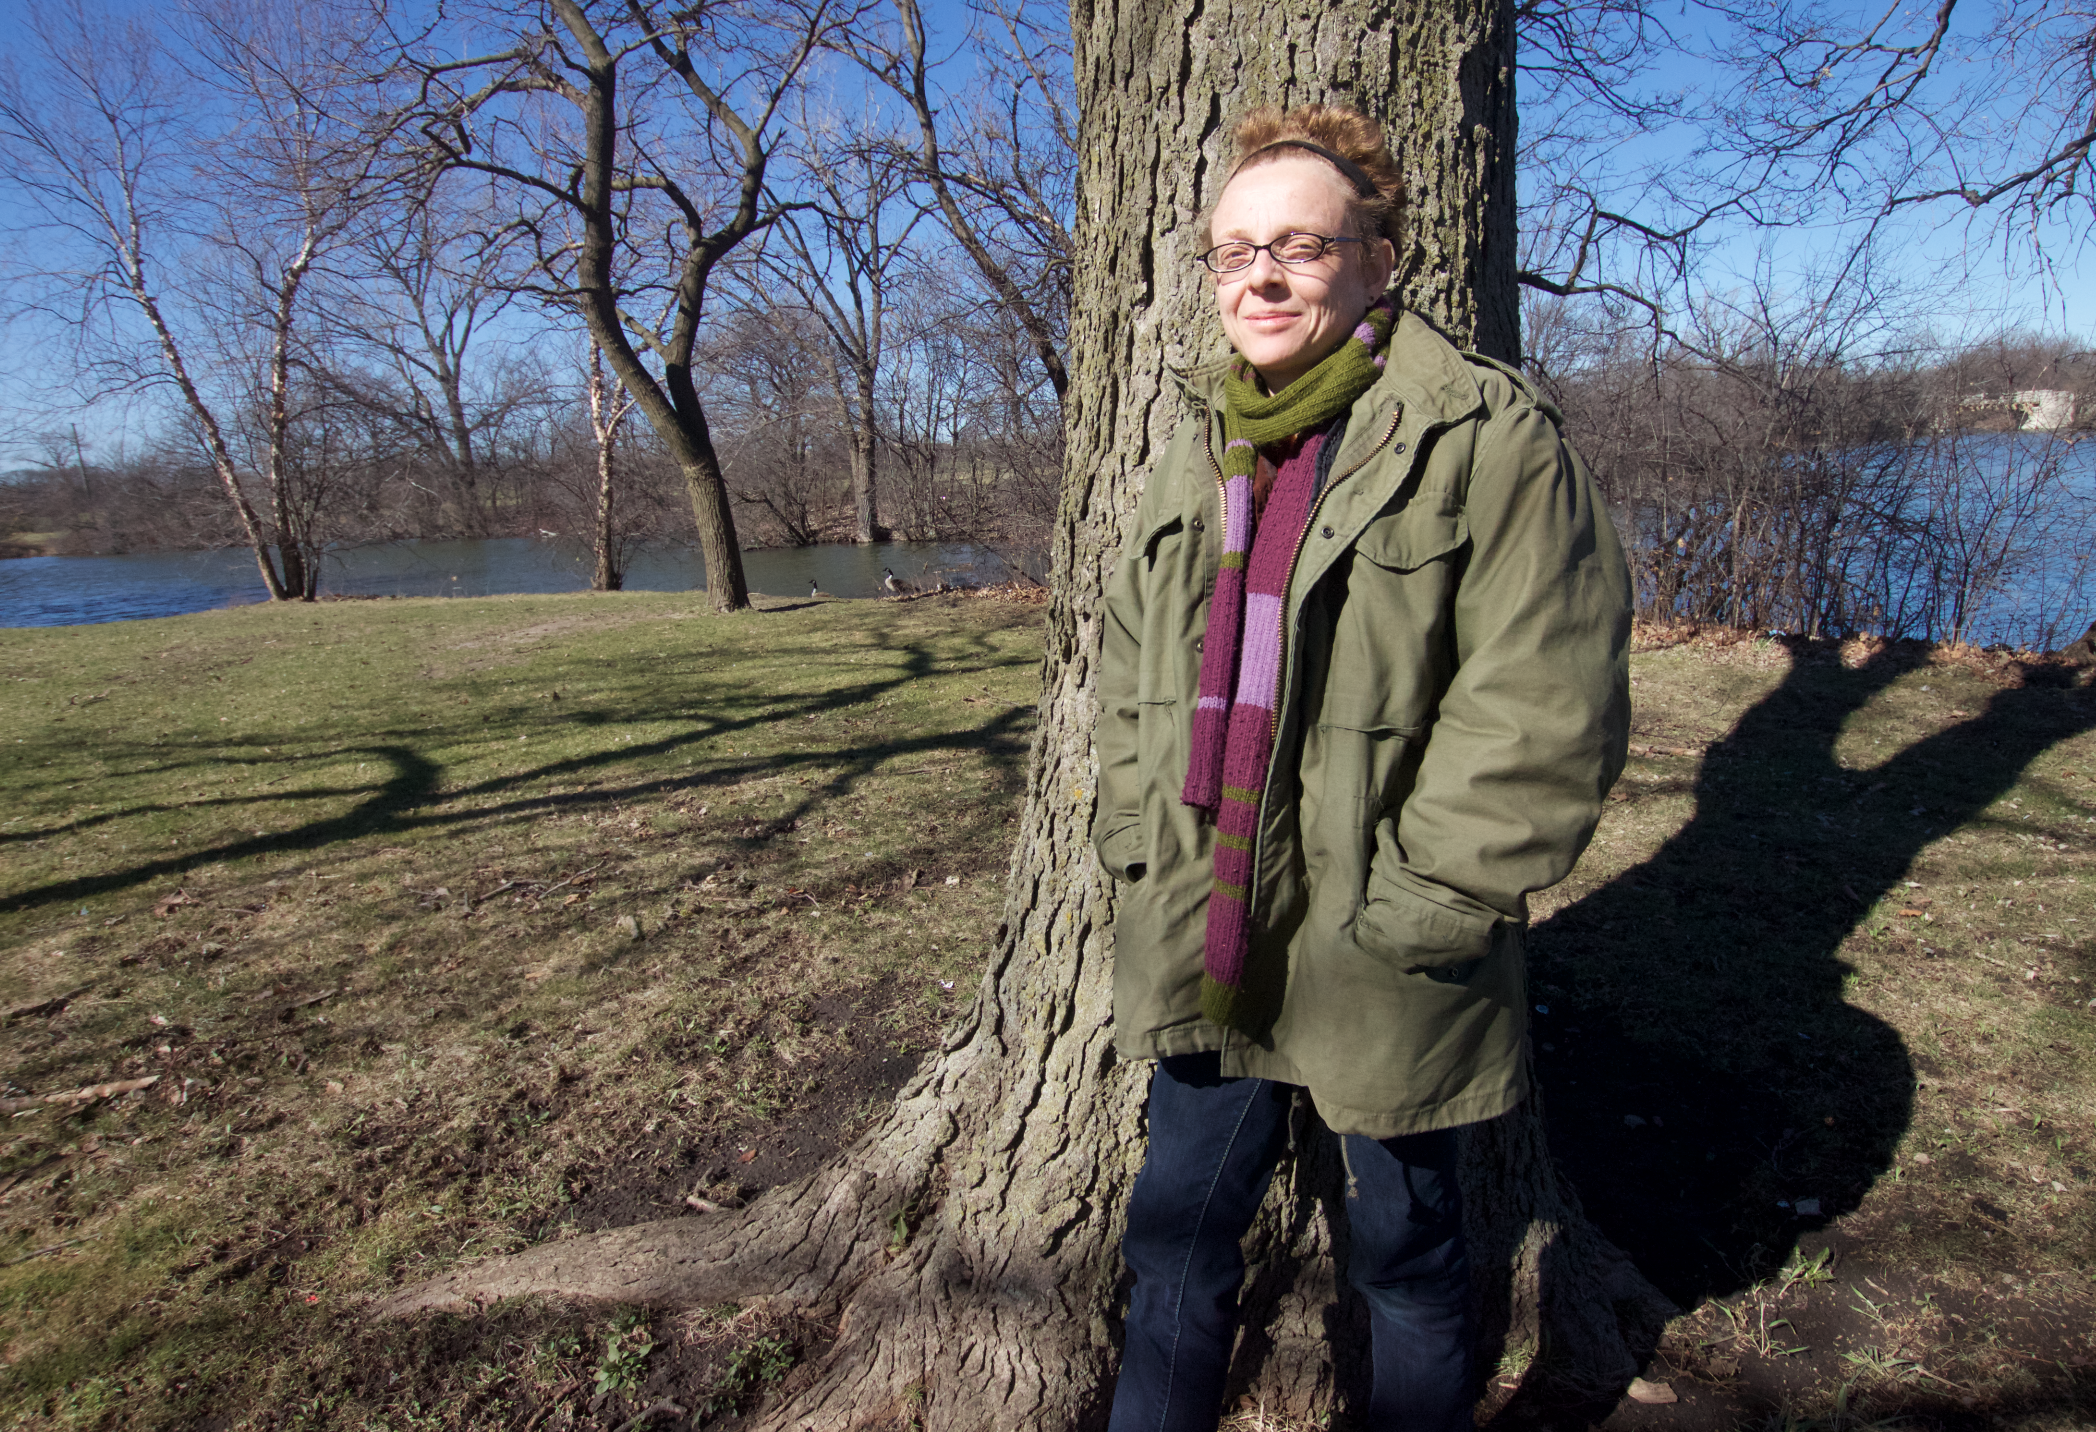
[(1455, 707)]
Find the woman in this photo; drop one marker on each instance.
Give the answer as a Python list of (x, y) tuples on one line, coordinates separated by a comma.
[(1362, 690)]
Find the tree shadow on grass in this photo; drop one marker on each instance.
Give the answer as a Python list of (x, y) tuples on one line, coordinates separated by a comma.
[(416, 799), (1707, 1089)]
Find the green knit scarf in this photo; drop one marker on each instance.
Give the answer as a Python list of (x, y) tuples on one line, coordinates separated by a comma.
[(1312, 400)]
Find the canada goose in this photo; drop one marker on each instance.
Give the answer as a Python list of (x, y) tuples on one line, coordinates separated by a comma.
[(895, 585), (815, 590)]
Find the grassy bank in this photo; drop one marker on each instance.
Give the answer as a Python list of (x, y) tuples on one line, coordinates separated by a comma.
[(445, 927)]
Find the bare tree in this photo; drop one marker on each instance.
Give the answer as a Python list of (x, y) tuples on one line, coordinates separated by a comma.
[(843, 265), (104, 144), (1913, 106), (784, 448), (649, 129), (608, 406), (1003, 185), (413, 308), (1807, 458)]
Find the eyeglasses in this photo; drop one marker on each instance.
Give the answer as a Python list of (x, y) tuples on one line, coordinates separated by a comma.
[(1293, 249)]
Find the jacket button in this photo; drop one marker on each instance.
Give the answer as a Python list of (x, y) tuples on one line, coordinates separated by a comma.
[(1327, 532), (1199, 525), (1200, 643), (1399, 448)]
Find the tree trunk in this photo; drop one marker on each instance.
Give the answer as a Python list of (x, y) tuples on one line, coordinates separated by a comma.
[(865, 455), (1009, 1159), (607, 411), (673, 408)]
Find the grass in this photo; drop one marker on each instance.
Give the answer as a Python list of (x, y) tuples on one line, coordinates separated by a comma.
[(1820, 1037), (448, 927), (444, 927)]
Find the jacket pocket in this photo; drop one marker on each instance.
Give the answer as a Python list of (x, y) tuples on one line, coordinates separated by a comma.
[(1161, 770), (1432, 524), (1388, 613), (1411, 930)]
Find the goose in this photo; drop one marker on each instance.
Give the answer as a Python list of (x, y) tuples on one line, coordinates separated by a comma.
[(895, 585), (815, 590)]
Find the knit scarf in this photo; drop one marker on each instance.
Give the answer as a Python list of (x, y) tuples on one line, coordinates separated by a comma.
[(1235, 719)]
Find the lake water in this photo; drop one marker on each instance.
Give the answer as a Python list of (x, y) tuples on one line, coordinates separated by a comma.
[(63, 591)]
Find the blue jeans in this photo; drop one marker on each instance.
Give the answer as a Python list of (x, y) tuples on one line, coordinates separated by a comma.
[(1213, 1146)]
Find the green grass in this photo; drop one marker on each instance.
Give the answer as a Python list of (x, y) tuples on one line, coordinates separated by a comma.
[(484, 921), (477, 919)]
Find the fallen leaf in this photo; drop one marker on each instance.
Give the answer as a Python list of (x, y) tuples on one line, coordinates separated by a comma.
[(570, 900), (1653, 1393), (746, 1155), (953, 880), (174, 902), (1724, 1367)]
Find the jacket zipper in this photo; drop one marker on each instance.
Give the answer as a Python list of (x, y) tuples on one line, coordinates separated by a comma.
[(1222, 489)]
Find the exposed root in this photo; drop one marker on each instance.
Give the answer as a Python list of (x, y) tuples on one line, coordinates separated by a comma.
[(806, 1245)]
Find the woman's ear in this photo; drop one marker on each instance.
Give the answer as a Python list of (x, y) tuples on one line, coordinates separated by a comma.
[(1379, 256)]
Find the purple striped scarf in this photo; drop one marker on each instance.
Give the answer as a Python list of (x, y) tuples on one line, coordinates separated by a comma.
[(1235, 718)]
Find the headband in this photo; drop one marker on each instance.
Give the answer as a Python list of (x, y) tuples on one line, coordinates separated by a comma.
[(1355, 174)]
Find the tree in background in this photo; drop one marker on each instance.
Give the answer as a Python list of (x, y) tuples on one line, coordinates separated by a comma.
[(847, 280), (416, 308), (635, 141), (195, 224), (785, 453), (1000, 167), (608, 406)]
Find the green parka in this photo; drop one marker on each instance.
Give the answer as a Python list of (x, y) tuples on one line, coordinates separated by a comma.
[(1455, 706)]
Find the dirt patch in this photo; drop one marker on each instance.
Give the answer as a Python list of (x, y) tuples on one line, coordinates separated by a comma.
[(733, 1162)]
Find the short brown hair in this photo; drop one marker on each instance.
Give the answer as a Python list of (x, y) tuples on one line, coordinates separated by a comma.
[(1344, 131)]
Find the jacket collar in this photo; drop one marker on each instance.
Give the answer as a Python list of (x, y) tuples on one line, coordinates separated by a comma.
[(1425, 372)]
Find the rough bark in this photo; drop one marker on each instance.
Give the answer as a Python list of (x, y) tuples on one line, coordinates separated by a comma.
[(1011, 1156)]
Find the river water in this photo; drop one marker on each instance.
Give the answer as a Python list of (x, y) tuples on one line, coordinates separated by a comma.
[(63, 591)]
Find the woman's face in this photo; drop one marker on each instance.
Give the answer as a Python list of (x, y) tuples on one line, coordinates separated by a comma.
[(1285, 318)]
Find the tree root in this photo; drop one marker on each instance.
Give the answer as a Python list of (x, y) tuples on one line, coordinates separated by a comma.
[(805, 1245)]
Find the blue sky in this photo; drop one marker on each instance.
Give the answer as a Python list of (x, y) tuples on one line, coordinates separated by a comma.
[(1970, 274)]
